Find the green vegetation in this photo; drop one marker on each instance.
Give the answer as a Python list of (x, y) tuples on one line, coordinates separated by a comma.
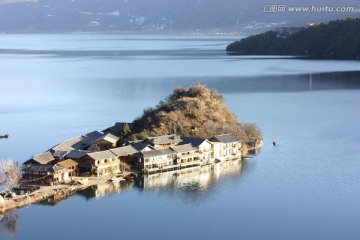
[(195, 111), (338, 39)]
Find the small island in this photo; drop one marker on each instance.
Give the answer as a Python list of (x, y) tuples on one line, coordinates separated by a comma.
[(193, 127), (337, 40)]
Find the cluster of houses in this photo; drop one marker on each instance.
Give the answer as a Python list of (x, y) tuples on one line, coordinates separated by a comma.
[(99, 154)]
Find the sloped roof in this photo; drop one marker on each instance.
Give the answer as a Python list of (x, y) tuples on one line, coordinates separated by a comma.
[(87, 140), (101, 155), (43, 168), (93, 134), (60, 153), (165, 139), (154, 153), (140, 145), (225, 138), (75, 154), (68, 145), (79, 142), (107, 137), (184, 148), (123, 151), (194, 141), (43, 158), (67, 163)]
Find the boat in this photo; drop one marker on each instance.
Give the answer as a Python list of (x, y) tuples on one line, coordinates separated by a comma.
[(116, 179)]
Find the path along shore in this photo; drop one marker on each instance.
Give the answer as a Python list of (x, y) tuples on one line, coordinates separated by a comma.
[(47, 191)]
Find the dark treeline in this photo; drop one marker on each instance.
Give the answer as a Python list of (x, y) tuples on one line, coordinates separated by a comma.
[(338, 39)]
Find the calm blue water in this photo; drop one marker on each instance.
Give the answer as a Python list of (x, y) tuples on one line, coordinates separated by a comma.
[(54, 87)]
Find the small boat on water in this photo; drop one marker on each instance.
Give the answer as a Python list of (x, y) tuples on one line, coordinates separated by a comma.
[(116, 179)]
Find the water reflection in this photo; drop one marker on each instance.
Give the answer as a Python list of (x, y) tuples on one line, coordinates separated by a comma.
[(10, 223), (137, 88), (104, 189), (192, 184), (286, 83)]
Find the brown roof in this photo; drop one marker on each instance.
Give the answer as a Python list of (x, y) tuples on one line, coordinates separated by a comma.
[(67, 163), (107, 137)]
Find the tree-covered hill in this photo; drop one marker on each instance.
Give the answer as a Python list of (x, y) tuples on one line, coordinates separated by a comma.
[(338, 39), (195, 111)]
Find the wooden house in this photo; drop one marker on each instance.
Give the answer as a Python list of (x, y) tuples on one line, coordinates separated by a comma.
[(71, 166), (126, 155), (46, 174), (187, 155), (105, 142), (43, 158), (101, 163), (204, 146), (156, 160), (226, 147)]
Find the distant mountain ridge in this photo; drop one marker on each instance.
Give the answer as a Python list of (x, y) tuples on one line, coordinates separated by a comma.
[(338, 39), (196, 16)]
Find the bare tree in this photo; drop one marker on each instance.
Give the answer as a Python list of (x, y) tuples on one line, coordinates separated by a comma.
[(10, 223), (10, 174)]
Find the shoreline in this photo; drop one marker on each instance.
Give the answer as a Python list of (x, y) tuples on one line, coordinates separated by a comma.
[(44, 192), (66, 190)]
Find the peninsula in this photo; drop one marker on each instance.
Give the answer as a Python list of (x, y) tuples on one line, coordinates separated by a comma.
[(193, 127), (338, 39)]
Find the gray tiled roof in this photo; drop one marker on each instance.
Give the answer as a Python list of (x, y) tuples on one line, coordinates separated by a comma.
[(194, 141), (101, 155), (94, 134), (140, 145), (80, 142), (165, 139), (43, 158), (68, 145), (123, 151), (107, 137), (225, 138), (74, 154), (154, 153), (184, 148), (60, 153), (43, 168)]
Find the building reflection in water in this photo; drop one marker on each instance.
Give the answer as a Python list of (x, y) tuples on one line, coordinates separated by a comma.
[(192, 183), (105, 189)]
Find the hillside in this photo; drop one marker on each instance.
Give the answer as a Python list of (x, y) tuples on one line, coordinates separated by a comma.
[(150, 16), (338, 39), (195, 111)]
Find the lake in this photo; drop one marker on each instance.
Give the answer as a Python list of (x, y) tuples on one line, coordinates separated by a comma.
[(54, 87)]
